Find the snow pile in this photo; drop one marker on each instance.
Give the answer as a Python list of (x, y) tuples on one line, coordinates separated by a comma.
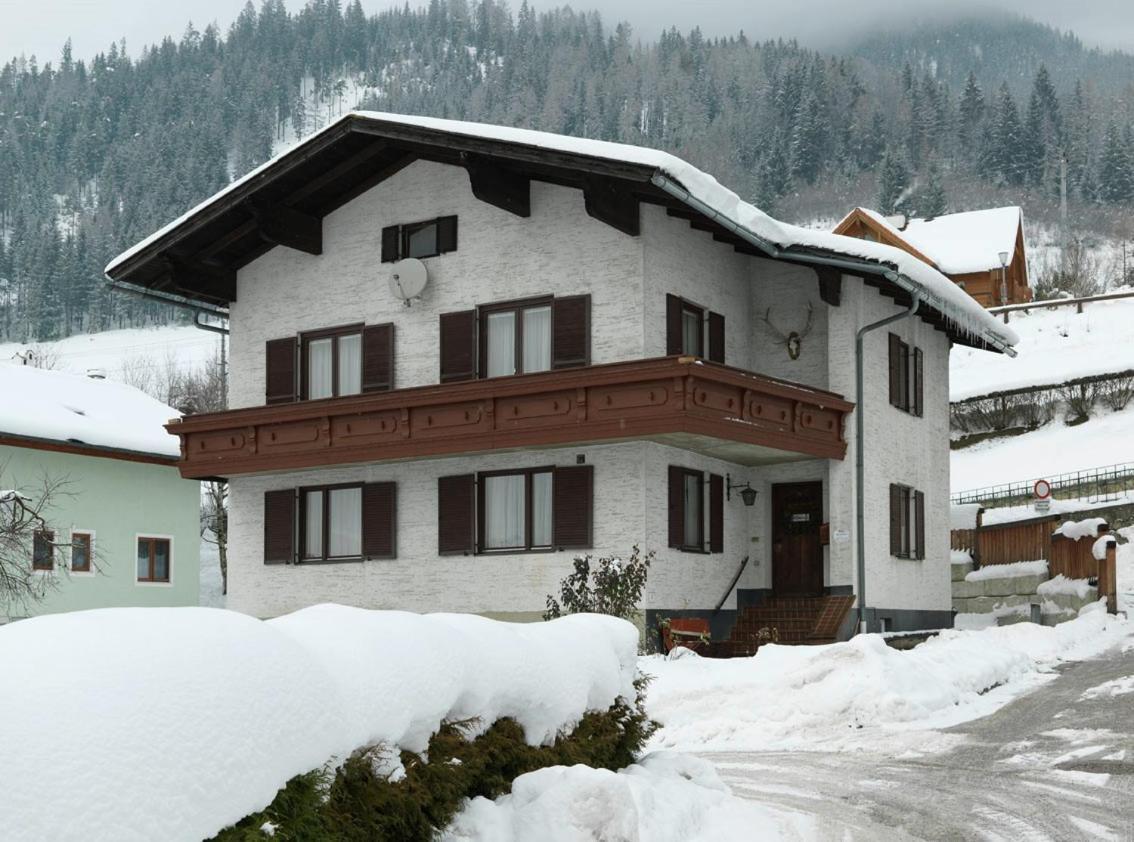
[(1099, 548), (960, 557), (665, 797), (1007, 571), (57, 406), (1054, 346), (1109, 689), (964, 515), (938, 291), (1076, 529), (791, 697), (1062, 585), (173, 723)]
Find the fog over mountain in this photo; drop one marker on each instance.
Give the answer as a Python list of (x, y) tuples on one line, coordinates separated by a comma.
[(40, 28)]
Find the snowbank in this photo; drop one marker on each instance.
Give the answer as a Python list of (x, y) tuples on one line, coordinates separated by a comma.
[(960, 557), (1076, 529), (788, 697), (665, 797), (172, 723), (964, 515), (54, 405), (1007, 571)]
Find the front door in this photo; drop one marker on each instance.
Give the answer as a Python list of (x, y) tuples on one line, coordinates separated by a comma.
[(797, 556)]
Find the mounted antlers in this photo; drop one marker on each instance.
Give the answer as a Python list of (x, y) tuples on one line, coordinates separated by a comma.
[(792, 341)]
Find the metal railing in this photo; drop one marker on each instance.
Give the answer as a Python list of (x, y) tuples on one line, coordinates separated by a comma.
[(1095, 485)]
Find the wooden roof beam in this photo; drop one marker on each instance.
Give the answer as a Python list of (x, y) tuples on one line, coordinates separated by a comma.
[(284, 226), (192, 278), (613, 204), (499, 186)]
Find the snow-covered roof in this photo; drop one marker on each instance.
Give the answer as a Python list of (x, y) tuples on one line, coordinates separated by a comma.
[(73, 409), (960, 243), (697, 188)]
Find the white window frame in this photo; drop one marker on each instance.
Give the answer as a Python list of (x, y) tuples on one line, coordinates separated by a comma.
[(134, 560), (89, 574)]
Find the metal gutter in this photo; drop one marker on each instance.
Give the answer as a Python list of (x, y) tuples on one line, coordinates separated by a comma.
[(172, 299), (852, 265)]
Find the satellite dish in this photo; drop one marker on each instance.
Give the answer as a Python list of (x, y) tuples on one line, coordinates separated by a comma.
[(407, 279)]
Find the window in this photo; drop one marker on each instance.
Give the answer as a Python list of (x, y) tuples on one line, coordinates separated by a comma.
[(693, 331), (81, 544), (516, 510), (331, 522), (153, 559), (43, 550), (332, 362), (428, 238), (907, 522), (907, 390), (515, 338), (692, 495)]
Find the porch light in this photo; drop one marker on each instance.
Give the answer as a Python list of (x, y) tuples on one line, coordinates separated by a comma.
[(747, 492)]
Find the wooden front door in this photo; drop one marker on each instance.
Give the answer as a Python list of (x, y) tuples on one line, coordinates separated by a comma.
[(797, 556)]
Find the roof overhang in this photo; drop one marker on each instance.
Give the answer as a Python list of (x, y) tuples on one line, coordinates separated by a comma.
[(284, 201)]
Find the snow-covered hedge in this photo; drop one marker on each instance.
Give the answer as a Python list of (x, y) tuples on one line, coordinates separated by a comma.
[(173, 723)]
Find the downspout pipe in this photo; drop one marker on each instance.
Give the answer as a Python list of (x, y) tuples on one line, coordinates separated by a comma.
[(849, 265), (198, 308), (860, 451)]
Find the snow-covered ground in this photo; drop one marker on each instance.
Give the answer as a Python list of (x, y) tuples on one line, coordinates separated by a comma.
[(861, 693), (173, 723), (1106, 439), (1055, 346)]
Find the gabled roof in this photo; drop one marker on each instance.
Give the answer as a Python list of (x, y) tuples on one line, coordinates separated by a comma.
[(955, 243), (283, 200), (52, 407)]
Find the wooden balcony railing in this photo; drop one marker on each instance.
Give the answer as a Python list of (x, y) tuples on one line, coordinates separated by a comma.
[(700, 406)]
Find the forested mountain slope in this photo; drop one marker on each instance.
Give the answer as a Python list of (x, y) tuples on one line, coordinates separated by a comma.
[(94, 155)]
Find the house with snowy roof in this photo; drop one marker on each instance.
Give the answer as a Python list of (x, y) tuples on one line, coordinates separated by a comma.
[(116, 524), (462, 355), (981, 251)]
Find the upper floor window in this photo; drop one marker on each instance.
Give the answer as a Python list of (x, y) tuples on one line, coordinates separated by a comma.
[(419, 239), (332, 362), (154, 559), (515, 338), (693, 331), (43, 550), (907, 391), (907, 522)]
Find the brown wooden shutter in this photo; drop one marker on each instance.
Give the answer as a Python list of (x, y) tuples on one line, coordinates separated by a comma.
[(918, 389), (456, 514), (895, 370), (572, 507), (391, 238), (676, 507), (716, 513), (895, 519), (458, 346), (571, 331), (716, 338), (378, 358), (919, 524), (279, 366), (673, 342), (279, 526), (446, 234), (379, 520)]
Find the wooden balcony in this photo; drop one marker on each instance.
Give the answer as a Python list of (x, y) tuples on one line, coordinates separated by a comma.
[(704, 407)]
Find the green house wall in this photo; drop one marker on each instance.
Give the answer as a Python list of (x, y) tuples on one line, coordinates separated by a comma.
[(117, 501)]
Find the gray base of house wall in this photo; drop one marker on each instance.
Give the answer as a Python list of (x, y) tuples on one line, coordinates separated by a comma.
[(906, 619)]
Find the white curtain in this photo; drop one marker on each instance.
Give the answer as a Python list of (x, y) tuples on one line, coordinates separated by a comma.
[(346, 522), (501, 344), (541, 509), (690, 333), (537, 339), (692, 510), (319, 368), (504, 511), (350, 364), (161, 561), (313, 524)]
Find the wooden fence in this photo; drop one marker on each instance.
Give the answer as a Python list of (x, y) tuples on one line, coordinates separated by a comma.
[(1034, 539)]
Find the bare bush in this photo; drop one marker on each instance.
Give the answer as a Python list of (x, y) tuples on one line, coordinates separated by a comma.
[(1117, 392), (1078, 274), (1079, 399)]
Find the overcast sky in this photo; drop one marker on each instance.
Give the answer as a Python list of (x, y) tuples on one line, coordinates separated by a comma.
[(40, 27)]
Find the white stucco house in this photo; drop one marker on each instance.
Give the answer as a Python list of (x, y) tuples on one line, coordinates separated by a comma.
[(464, 354)]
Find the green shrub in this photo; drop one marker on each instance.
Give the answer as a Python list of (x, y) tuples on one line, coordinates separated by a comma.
[(359, 802)]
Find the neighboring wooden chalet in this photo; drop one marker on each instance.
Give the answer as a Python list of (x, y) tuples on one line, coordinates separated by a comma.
[(464, 354), (122, 527), (966, 247)]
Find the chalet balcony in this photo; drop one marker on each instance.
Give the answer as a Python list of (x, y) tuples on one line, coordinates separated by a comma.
[(682, 401)]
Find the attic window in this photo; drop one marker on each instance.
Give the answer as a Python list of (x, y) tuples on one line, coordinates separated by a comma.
[(428, 238)]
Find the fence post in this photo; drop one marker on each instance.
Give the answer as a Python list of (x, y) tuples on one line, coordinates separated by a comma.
[(1108, 578)]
